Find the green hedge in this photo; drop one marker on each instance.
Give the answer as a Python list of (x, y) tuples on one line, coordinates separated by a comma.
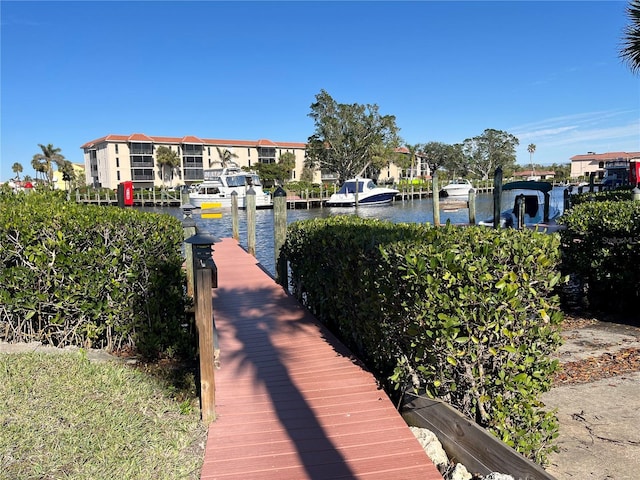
[(468, 315), (91, 276), (601, 249), (621, 194)]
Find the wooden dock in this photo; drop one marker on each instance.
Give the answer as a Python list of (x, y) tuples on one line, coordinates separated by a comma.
[(291, 401)]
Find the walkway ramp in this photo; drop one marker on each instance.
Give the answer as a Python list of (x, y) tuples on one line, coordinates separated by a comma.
[(292, 402)]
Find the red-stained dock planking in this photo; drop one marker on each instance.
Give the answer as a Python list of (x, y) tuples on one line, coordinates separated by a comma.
[(291, 401)]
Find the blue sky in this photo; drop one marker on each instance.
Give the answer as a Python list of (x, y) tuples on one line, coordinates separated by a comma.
[(548, 72)]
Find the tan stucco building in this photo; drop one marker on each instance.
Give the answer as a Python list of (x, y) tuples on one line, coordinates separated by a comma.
[(584, 165), (112, 159)]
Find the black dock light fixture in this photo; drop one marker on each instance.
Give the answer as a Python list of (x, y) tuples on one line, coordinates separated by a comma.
[(202, 243)]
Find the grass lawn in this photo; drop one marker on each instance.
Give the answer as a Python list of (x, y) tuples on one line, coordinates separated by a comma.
[(64, 417)]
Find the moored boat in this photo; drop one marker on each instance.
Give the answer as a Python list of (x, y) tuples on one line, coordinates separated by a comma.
[(458, 187), (535, 208), (220, 183), (362, 191)]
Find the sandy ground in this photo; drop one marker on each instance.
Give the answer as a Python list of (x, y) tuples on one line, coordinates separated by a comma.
[(599, 420)]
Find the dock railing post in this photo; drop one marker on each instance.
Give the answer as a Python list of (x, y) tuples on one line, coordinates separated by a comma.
[(189, 226), (234, 216), (472, 206), (436, 199), (497, 196), (280, 235), (205, 280), (250, 204), (520, 212)]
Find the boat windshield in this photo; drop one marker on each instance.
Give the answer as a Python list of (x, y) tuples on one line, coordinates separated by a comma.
[(241, 180), (350, 186)]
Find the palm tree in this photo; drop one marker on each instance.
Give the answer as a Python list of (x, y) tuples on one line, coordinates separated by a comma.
[(225, 156), (43, 162), (630, 52), (167, 159), (531, 149), (17, 169), (413, 150)]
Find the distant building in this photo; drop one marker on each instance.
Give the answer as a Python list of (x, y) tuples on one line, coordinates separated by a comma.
[(60, 184), (112, 159), (584, 165)]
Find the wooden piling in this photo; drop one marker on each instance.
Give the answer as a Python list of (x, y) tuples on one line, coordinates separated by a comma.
[(436, 199), (472, 206), (204, 324), (189, 227), (497, 196), (234, 216), (250, 204), (280, 234)]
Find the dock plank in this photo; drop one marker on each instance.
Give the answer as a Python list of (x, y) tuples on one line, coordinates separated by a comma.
[(291, 401)]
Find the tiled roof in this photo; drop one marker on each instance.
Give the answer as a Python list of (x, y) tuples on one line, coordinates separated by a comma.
[(192, 139), (605, 156), (140, 137)]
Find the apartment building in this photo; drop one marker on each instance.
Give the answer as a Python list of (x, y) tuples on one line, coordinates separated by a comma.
[(112, 159), (591, 162)]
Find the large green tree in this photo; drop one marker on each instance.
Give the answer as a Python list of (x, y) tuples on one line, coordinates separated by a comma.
[(484, 153), (350, 139), (441, 155), (167, 161), (43, 162), (277, 173), (630, 52)]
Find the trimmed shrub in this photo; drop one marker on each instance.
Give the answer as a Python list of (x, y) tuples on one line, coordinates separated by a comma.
[(468, 315), (601, 249), (90, 276)]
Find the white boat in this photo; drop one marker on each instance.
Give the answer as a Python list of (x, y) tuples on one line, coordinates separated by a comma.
[(368, 194), (537, 210), (220, 183), (458, 187)]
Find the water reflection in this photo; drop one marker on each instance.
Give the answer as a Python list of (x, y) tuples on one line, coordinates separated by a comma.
[(410, 211)]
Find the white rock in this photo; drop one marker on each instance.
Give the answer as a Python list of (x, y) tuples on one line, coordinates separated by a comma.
[(431, 445), (498, 476), (460, 473)]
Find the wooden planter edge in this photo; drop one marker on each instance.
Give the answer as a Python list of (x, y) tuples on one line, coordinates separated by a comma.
[(466, 442)]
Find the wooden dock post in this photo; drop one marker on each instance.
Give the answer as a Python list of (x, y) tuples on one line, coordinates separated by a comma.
[(520, 211), (436, 200), (204, 324), (472, 206), (189, 226), (566, 200), (234, 216), (280, 234), (497, 196), (205, 280), (250, 204)]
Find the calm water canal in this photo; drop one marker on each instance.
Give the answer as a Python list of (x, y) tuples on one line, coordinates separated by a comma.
[(410, 211)]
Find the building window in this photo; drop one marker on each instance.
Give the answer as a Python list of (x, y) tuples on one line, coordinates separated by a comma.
[(266, 155), (248, 152), (118, 175), (117, 162), (209, 151), (190, 149), (141, 149), (116, 148)]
